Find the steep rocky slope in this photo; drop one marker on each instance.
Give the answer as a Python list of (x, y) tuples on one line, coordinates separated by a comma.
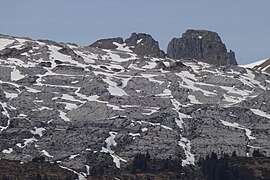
[(202, 45), (84, 107)]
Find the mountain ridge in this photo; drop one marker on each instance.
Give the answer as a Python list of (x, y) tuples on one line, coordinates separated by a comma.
[(82, 106)]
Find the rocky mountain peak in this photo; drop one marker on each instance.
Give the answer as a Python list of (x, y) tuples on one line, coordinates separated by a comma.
[(144, 44), (135, 37), (202, 34), (140, 43), (201, 45)]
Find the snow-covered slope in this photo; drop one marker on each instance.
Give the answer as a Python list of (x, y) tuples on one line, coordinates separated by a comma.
[(262, 65), (78, 106)]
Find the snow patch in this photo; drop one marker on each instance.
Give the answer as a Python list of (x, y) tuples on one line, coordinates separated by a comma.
[(193, 99), (11, 95), (150, 77), (252, 65), (114, 89), (38, 131), (139, 40), (190, 158), (73, 156), (7, 151), (122, 47), (63, 115), (16, 75), (144, 129), (134, 134), (260, 113), (111, 142), (238, 126), (5, 42), (189, 81), (26, 142), (81, 176), (150, 65), (46, 154)]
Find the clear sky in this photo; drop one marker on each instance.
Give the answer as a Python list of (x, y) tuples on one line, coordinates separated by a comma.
[(243, 25)]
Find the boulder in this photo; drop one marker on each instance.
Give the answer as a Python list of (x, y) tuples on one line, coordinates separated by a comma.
[(201, 45)]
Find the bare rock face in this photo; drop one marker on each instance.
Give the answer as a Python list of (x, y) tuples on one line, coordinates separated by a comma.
[(140, 43), (144, 44), (201, 45)]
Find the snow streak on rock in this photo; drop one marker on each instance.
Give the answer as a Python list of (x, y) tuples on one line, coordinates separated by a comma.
[(111, 142)]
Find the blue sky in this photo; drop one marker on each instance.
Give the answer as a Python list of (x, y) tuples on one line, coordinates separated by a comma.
[(243, 25)]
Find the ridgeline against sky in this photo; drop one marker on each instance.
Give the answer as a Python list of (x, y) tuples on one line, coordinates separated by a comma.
[(243, 25)]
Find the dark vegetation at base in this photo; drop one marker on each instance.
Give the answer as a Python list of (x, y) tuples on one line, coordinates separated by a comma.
[(14, 170), (144, 167), (235, 168), (212, 167)]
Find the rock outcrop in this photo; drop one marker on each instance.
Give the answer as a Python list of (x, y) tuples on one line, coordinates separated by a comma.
[(201, 45), (140, 43), (144, 44)]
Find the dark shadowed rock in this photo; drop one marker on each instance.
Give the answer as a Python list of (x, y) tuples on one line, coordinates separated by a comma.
[(144, 44), (107, 43), (202, 45), (28, 80), (13, 52), (45, 64)]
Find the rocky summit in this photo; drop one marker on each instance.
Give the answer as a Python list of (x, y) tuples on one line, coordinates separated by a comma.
[(100, 108), (202, 45), (140, 43)]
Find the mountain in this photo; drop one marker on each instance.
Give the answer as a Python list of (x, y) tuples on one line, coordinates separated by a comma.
[(262, 65), (202, 45), (101, 108)]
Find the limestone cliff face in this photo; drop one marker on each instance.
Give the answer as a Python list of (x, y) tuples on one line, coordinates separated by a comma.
[(201, 45), (89, 107)]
